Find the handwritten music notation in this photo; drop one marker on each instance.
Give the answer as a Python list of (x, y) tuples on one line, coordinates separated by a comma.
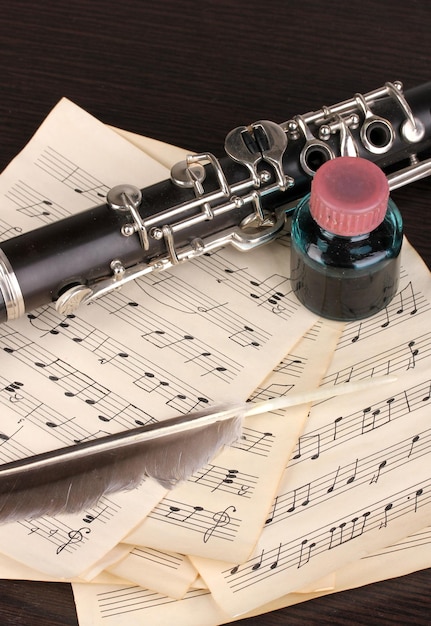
[(64, 537), (35, 205), (72, 175), (208, 524), (313, 443), (366, 470), (403, 356), (7, 231), (180, 296), (298, 552), (409, 303), (243, 476), (159, 348), (164, 334), (147, 376), (110, 407), (272, 292)]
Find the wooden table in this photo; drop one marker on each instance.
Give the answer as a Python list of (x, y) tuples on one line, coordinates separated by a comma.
[(187, 73)]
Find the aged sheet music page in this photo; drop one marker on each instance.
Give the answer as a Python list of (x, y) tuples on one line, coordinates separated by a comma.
[(357, 482), (173, 343)]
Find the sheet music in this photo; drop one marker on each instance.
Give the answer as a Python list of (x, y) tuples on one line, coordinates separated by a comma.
[(174, 573), (136, 357), (122, 602), (381, 500), (361, 463), (220, 510)]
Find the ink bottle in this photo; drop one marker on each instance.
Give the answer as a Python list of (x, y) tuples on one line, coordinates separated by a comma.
[(346, 240)]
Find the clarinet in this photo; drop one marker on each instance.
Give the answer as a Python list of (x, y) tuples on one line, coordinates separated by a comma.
[(242, 199)]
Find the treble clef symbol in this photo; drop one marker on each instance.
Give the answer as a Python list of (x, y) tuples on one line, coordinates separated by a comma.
[(75, 536), (221, 518)]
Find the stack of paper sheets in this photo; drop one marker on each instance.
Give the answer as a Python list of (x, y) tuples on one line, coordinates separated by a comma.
[(309, 501)]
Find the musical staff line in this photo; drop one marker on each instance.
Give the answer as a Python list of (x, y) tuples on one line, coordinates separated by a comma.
[(298, 552), (162, 334), (7, 231), (255, 442), (72, 175), (109, 406), (170, 561), (34, 204), (133, 599), (65, 538), (402, 357), (362, 471), (345, 428), (143, 373), (232, 481), (220, 525), (273, 293), (405, 304), (183, 297)]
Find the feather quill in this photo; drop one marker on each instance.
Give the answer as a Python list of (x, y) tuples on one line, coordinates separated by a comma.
[(74, 478)]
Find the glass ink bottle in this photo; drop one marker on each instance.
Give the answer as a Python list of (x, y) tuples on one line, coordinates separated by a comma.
[(346, 240)]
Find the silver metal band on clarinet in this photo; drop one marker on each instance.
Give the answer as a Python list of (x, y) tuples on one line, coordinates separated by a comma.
[(10, 289)]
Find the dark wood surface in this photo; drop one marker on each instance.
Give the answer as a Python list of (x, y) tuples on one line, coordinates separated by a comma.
[(186, 73)]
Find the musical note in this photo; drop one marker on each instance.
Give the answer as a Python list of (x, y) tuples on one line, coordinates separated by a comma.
[(69, 173), (89, 518), (253, 441), (305, 499), (346, 531), (410, 299), (258, 564), (414, 440), (13, 389), (274, 564), (376, 476), (413, 355), (336, 422), (386, 510), (7, 231), (358, 334), (305, 552), (352, 476), (51, 424), (272, 515), (418, 494), (372, 419), (271, 291), (231, 272), (308, 441), (34, 204), (244, 337), (332, 487)]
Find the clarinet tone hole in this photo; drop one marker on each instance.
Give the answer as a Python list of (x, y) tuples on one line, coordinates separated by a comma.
[(378, 137), (313, 157)]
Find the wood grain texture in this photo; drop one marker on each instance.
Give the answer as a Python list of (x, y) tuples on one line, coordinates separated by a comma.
[(187, 73)]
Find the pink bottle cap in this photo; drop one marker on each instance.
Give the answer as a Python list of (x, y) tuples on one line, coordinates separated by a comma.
[(349, 196)]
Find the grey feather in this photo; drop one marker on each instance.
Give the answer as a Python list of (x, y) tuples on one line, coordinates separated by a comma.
[(75, 478)]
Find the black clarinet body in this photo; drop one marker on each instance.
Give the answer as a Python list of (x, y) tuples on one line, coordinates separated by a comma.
[(241, 199)]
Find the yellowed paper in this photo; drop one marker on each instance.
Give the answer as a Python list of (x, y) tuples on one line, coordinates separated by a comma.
[(167, 345), (358, 479), (221, 510), (170, 574)]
